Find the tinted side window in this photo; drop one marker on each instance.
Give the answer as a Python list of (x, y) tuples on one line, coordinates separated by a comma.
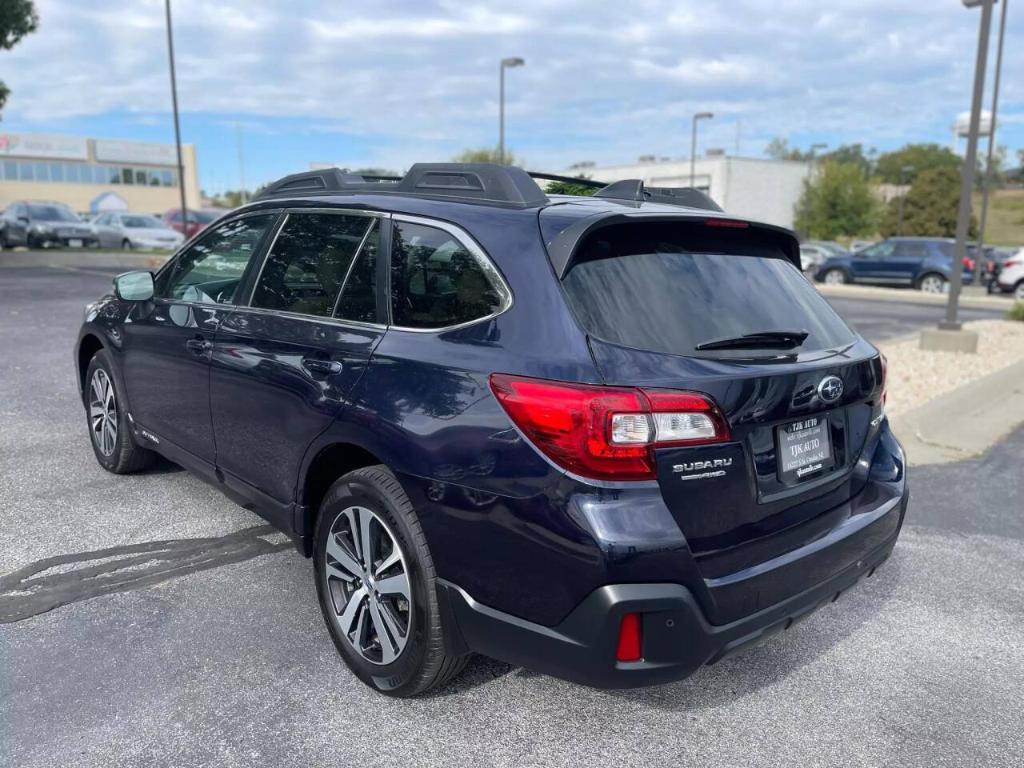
[(912, 250), (211, 270), (309, 262), (437, 282), (879, 251)]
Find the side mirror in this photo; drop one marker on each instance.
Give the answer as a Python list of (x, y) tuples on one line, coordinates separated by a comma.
[(24, 219), (134, 286)]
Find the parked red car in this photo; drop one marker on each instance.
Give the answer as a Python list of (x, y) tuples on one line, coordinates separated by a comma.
[(198, 220)]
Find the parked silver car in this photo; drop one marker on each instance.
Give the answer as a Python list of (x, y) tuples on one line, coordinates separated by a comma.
[(135, 231)]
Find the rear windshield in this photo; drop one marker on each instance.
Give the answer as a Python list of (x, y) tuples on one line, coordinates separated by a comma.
[(662, 296)]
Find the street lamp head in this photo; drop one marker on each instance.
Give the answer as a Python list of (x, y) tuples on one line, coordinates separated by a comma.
[(703, 116), (513, 61), (976, 3)]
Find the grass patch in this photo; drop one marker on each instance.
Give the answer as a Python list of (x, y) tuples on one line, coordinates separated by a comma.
[(1016, 312)]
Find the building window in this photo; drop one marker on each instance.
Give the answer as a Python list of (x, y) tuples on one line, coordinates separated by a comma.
[(10, 170), (42, 172), (26, 172)]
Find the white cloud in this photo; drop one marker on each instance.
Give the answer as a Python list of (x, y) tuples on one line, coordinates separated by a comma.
[(603, 80)]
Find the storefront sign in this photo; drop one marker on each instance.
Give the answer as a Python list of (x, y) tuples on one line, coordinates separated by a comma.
[(49, 145), (111, 151)]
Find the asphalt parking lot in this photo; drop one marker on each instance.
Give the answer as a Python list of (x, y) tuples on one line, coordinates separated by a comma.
[(191, 634)]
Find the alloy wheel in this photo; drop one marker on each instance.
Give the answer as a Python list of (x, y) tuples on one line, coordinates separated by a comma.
[(1018, 293), (933, 284), (834, 277), (368, 585), (103, 412)]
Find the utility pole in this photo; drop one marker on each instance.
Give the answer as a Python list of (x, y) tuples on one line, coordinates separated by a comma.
[(952, 320), (241, 163), (987, 182), (177, 126), (513, 61), (903, 195)]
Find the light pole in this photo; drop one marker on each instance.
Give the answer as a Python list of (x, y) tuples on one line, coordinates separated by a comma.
[(903, 195), (952, 321), (177, 127), (513, 61), (987, 181), (693, 144)]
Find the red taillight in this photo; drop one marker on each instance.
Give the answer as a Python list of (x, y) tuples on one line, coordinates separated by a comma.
[(885, 373), (968, 263), (607, 433), (630, 644), (1010, 263)]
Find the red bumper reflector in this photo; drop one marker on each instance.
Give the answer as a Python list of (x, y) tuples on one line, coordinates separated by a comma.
[(630, 638)]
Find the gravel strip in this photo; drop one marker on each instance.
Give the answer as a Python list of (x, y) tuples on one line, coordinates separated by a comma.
[(916, 375)]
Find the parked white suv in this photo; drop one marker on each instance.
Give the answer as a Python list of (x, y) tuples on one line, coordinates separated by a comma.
[(1011, 276)]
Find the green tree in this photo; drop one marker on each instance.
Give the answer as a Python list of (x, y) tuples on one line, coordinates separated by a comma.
[(779, 149), (850, 153), (566, 188), (835, 202), (486, 155), (922, 157), (17, 19), (929, 208)]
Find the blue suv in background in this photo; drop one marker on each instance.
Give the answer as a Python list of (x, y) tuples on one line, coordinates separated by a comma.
[(925, 263), (610, 438)]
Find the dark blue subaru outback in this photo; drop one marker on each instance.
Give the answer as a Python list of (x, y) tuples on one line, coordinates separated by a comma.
[(611, 439)]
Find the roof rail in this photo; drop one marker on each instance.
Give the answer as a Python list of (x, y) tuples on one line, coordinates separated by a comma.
[(471, 182)]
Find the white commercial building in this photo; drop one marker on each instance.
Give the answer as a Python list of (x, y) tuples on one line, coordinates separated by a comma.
[(761, 189)]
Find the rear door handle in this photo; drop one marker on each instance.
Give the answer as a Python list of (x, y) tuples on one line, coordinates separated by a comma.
[(319, 365), (198, 346)]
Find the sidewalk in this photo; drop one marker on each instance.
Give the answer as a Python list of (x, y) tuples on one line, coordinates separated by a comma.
[(971, 296)]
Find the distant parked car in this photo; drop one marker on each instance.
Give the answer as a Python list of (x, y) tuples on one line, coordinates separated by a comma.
[(925, 263), (198, 220), (995, 260), (44, 224), (135, 230), (814, 252), (1011, 276)]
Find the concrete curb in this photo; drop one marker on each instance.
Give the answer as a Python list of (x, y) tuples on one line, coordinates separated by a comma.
[(82, 259), (963, 423), (909, 296)]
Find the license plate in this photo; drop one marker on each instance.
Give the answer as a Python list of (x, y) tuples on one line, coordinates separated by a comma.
[(74, 243), (804, 448)]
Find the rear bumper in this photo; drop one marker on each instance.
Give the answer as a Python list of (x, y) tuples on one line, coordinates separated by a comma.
[(677, 637)]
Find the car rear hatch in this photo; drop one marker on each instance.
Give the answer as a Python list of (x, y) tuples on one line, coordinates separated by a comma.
[(678, 305)]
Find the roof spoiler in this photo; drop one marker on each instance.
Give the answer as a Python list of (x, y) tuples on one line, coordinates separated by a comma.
[(470, 182), (635, 190)]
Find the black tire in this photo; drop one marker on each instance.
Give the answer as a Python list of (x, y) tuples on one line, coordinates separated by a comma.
[(423, 663), (127, 456), (1018, 291)]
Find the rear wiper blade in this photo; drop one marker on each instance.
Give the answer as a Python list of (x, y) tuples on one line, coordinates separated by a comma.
[(781, 339)]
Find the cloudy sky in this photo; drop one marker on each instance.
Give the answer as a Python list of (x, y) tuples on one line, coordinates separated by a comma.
[(389, 83)]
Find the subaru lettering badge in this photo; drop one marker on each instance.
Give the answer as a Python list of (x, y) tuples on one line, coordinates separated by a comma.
[(830, 389)]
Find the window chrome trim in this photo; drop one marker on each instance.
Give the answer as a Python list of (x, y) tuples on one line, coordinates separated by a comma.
[(475, 250), (311, 318)]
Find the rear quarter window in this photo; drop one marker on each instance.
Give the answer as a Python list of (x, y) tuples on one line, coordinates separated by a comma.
[(659, 290)]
